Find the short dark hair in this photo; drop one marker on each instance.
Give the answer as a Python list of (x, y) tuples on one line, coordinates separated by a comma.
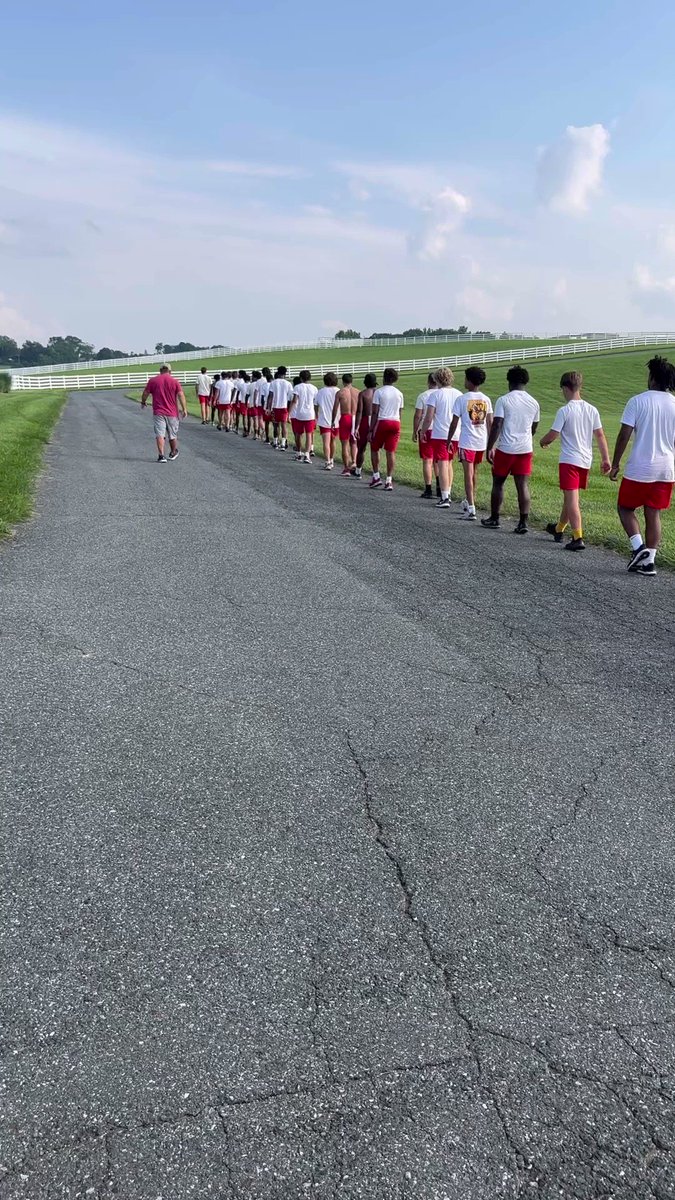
[(662, 373), (390, 375), (330, 379), (305, 376), (370, 380), (475, 375), (256, 375), (431, 379), (281, 371), (347, 378), (572, 380), (296, 380), (267, 373), (203, 369), (217, 377), (517, 377)]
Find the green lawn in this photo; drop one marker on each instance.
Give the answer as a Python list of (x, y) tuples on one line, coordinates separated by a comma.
[(335, 353), (609, 381), (26, 423)]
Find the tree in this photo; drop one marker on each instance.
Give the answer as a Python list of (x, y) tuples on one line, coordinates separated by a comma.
[(69, 349), (34, 354), (343, 334), (106, 352), (463, 329), (9, 351), (159, 347)]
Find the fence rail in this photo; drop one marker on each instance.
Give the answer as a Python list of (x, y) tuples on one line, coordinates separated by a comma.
[(230, 351), (532, 353)]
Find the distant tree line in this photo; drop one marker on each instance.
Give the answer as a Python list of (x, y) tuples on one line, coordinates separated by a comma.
[(425, 331), (73, 349)]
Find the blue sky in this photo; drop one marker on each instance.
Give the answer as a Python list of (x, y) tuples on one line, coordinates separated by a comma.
[(260, 172)]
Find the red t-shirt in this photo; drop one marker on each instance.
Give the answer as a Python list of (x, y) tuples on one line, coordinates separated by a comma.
[(164, 390)]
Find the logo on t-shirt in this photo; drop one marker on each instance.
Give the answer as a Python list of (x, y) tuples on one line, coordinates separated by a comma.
[(477, 410)]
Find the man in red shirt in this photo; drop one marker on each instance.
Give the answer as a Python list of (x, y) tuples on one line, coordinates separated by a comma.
[(167, 394)]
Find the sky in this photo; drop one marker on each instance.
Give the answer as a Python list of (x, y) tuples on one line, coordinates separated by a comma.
[(249, 173)]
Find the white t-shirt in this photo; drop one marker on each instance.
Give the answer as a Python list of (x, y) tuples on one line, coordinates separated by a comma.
[(652, 415), (443, 401), (263, 389), (389, 402), (519, 411), (203, 385), (472, 409), (224, 391), (251, 390), (423, 399), (303, 409), (576, 422), (281, 391), (239, 386), (325, 398)]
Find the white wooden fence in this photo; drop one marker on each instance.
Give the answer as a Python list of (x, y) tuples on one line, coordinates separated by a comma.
[(212, 352), (532, 353)]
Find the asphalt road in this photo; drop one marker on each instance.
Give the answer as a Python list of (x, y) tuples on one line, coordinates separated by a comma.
[(338, 841)]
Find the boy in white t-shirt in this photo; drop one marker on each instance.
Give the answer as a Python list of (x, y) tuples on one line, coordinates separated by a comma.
[(424, 446), (324, 404), (437, 420), (650, 471), (385, 427), (474, 410), (281, 394), (576, 424), (203, 392), (509, 447), (303, 415)]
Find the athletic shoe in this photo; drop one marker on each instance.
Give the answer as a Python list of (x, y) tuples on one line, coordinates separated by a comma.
[(490, 522), (375, 483), (638, 556), (161, 458), (359, 474), (468, 516), (647, 569), (173, 454), (306, 459), (328, 466), (442, 503), (345, 471), (521, 527), (389, 487), (204, 422), (576, 544), (551, 528), (427, 494)]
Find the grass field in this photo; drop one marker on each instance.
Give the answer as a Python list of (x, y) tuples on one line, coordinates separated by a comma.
[(332, 354), (26, 423), (609, 381)]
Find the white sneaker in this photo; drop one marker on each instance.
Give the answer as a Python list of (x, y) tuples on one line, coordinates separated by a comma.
[(465, 505), (328, 466), (468, 516)]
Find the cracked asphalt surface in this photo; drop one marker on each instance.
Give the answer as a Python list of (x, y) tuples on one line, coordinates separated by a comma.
[(337, 841)]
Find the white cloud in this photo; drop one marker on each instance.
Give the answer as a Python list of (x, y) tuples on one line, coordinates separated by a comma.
[(14, 325), (446, 212), (569, 172), (653, 295), (252, 170)]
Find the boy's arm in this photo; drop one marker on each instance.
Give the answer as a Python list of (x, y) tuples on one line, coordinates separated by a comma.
[(144, 397), (621, 443), (429, 414), (453, 426), (548, 438), (605, 464), (417, 420), (494, 425)]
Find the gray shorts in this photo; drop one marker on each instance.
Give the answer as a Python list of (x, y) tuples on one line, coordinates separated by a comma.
[(165, 426)]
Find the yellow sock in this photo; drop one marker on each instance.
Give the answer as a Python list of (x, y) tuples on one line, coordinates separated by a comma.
[(561, 527), (577, 533)]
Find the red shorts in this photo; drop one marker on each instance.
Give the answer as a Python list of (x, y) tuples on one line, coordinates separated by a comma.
[(572, 478), (300, 427), (206, 400), (386, 435), (328, 429), (362, 435), (223, 407), (279, 415), (346, 427), (634, 494), (511, 464), (454, 449), (471, 456), (440, 450), (240, 407), (425, 446)]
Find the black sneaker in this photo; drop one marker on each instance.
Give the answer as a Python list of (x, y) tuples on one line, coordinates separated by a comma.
[(427, 494), (490, 522), (173, 454), (552, 529), (441, 503), (521, 527), (438, 491), (576, 544), (638, 556), (161, 458), (645, 568)]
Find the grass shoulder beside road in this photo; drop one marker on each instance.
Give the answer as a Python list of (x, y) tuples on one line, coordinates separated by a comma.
[(26, 423)]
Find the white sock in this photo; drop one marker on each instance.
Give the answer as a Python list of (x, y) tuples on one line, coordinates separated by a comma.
[(388, 479), (376, 474), (651, 554), (635, 541), (472, 508), (444, 495)]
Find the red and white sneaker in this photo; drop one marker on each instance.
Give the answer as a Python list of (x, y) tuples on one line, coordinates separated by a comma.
[(389, 486), (375, 482)]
